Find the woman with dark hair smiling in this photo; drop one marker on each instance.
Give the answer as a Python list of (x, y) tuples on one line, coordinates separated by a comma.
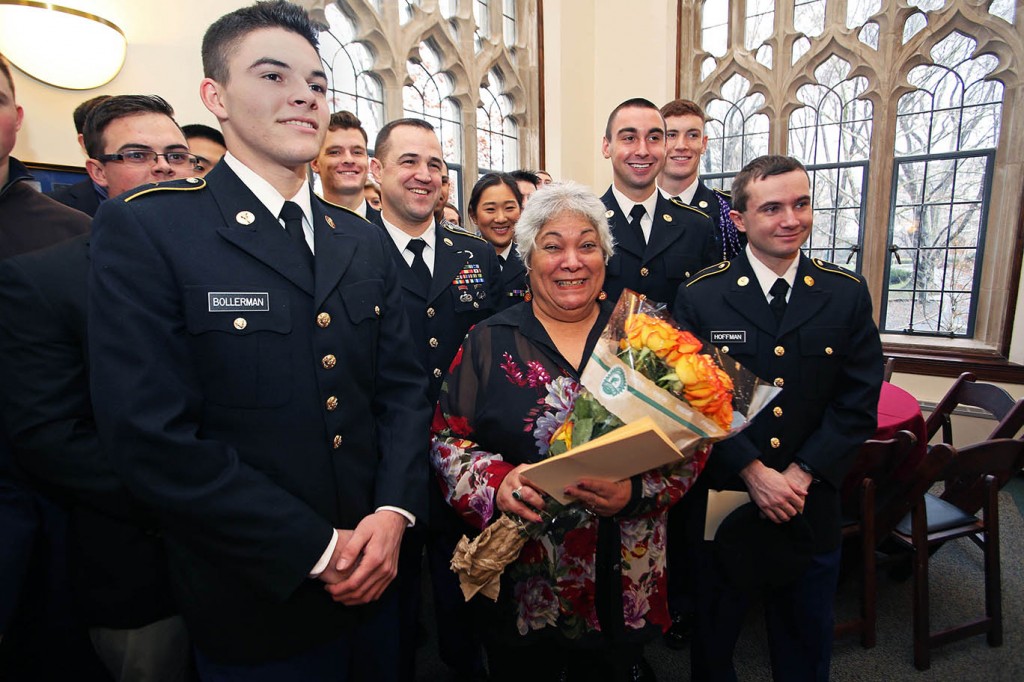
[(494, 207), (588, 589)]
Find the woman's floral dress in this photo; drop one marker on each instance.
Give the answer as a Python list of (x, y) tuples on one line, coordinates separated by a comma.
[(507, 392)]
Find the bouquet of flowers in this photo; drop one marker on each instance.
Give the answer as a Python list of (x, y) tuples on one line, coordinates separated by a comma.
[(643, 366)]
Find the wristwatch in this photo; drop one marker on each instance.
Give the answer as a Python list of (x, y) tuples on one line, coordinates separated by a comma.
[(804, 466)]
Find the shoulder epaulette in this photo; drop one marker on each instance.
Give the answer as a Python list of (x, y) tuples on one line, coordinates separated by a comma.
[(343, 208), (454, 229), (183, 185), (833, 268), (687, 206), (708, 272), (722, 193)]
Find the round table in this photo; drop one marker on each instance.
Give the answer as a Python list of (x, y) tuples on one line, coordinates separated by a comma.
[(898, 411)]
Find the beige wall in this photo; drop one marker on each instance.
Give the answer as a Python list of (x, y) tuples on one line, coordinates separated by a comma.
[(597, 54)]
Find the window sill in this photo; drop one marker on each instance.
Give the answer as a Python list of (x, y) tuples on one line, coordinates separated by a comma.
[(958, 357)]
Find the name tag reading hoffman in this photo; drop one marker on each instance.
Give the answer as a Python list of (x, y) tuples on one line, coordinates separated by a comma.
[(729, 337), (238, 301)]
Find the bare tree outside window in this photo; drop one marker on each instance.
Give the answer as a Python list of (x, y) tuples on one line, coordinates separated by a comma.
[(946, 134)]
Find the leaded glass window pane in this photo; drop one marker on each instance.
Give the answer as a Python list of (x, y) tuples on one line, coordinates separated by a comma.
[(714, 35), (809, 17), (497, 132), (760, 22)]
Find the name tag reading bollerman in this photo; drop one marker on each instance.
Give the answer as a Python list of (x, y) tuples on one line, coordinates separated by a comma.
[(238, 301), (729, 337)]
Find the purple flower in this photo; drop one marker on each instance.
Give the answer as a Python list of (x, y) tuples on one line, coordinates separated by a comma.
[(635, 607), (481, 501), (561, 396), (537, 603)]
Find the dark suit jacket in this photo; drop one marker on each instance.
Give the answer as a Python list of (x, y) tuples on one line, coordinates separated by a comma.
[(80, 196), (463, 291), (512, 282), (30, 220), (681, 243), (118, 563), (730, 240), (825, 354), (372, 214), (254, 402)]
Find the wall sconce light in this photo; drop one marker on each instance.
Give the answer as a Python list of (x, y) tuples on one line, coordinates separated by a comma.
[(63, 47)]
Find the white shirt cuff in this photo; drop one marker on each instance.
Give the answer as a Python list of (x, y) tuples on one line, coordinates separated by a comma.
[(321, 565), (398, 510)]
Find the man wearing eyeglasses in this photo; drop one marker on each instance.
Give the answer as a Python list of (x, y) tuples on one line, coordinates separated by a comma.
[(133, 140), (120, 580)]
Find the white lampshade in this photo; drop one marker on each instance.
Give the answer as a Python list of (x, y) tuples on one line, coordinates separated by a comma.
[(63, 47)]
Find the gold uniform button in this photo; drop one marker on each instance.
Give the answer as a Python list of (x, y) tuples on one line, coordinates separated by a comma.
[(336, 442), (780, 351), (240, 323), (431, 312), (323, 320), (775, 443), (777, 411), (432, 342), (331, 404), (644, 271), (779, 382), (376, 310), (828, 350), (437, 372), (329, 361), (725, 349)]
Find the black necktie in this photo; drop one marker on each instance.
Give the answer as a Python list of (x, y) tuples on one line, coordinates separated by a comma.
[(501, 262), (778, 302), (634, 221), (419, 266), (291, 214)]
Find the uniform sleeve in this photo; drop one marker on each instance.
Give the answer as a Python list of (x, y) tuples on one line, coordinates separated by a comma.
[(852, 414), (46, 404), (401, 408), (469, 476), (148, 403)]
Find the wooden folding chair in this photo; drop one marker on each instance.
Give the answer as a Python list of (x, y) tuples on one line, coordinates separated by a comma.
[(888, 368), (967, 390), (874, 501), (976, 471)]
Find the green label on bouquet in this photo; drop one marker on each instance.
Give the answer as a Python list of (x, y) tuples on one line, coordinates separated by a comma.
[(614, 382)]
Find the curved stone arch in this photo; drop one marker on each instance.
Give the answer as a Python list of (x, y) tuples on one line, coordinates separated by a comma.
[(513, 86)]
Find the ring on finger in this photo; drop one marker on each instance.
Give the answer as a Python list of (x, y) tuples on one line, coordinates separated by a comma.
[(517, 494)]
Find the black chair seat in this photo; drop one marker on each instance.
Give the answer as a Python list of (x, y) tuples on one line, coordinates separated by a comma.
[(941, 516)]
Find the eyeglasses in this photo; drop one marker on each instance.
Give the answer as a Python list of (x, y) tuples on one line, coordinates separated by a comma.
[(139, 157)]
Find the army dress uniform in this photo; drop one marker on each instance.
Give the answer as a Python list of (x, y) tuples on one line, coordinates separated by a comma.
[(512, 283), (463, 291), (256, 397), (826, 356), (681, 243)]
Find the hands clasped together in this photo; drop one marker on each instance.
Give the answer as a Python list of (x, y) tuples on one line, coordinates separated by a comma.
[(365, 560), (779, 496)]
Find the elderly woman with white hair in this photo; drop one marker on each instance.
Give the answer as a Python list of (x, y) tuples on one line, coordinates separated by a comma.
[(588, 589)]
